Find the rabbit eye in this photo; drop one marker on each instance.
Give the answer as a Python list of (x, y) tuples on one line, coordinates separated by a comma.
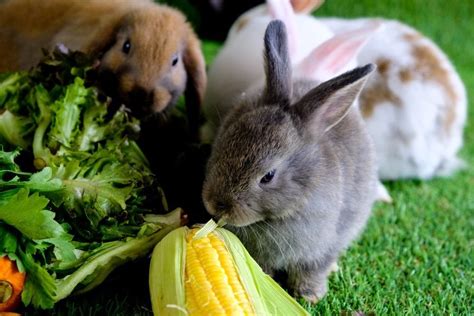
[(126, 47), (268, 177), (175, 61)]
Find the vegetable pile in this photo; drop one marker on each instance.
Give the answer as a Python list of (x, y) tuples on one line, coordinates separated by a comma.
[(77, 197)]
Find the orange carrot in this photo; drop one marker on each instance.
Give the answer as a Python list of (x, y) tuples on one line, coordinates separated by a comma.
[(11, 285)]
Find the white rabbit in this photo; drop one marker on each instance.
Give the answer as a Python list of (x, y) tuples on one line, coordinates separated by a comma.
[(414, 106), (239, 62)]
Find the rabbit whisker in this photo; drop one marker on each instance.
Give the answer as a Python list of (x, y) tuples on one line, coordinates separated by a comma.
[(282, 237)]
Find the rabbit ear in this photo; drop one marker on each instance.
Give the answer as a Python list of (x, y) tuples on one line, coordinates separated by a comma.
[(327, 104), (306, 6), (282, 10), (334, 55), (196, 82), (277, 65)]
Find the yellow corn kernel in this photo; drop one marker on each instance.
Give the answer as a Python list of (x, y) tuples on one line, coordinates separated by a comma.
[(212, 283)]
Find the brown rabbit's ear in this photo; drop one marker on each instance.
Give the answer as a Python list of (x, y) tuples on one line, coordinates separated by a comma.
[(325, 106), (195, 66), (106, 38), (278, 87), (306, 6)]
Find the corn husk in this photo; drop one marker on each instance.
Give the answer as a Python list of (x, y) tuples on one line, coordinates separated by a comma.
[(167, 273)]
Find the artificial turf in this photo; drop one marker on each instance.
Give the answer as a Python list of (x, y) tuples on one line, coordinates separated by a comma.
[(415, 257)]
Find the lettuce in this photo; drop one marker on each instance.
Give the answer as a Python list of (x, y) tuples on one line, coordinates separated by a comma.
[(77, 196)]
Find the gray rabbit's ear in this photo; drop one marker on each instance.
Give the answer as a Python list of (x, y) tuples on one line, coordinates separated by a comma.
[(327, 104), (277, 65)]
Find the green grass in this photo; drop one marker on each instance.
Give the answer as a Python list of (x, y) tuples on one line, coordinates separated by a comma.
[(415, 257)]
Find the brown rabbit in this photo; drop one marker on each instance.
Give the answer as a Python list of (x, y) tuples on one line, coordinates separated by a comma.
[(148, 54)]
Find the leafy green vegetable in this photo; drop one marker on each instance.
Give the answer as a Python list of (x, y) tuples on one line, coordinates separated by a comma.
[(40, 287), (7, 161), (77, 196), (14, 129), (27, 214), (40, 181)]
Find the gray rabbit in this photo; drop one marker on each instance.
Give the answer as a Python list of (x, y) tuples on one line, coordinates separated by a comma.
[(292, 170)]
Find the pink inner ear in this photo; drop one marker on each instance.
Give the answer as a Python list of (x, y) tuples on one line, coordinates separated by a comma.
[(333, 56), (282, 10)]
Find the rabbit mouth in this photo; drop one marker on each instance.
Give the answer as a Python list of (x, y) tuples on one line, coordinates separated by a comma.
[(241, 218), (142, 102), (230, 210)]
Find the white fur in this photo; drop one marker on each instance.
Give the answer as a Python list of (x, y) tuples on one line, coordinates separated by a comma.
[(410, 139), (239, 64)]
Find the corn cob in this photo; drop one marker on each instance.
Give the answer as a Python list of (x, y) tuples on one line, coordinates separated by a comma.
[(211, 281), (207, 271)]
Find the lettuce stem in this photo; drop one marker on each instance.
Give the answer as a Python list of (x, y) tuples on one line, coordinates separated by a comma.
[(41, 153), (106, 261)]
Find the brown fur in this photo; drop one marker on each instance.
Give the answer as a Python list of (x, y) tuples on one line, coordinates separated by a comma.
[(405, 75), (379, 92), (31, 24), (100, 27), (428, 65), (383, 65), (413, 37), (242, 22)]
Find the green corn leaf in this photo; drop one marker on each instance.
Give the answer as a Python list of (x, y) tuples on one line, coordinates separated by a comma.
[(274, 299), (167, 274)]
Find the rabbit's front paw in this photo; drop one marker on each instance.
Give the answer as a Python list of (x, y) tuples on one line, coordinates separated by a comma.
[(309, 281), (312, 292)]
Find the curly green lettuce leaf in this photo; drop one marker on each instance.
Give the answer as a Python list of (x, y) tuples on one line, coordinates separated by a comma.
[(94, 128), (87, 209), (15, 130), (43, 119), (9, 244), (58, 68), (67, 113), (11, 86), (40, 287), (97, 190), (12, 179), (27, 213), (7, 160), (42, 181)]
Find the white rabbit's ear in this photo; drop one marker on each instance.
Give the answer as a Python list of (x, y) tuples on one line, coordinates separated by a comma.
[(282, 10), (337, 54), (306, 6)]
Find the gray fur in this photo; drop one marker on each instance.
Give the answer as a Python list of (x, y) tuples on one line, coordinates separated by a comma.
[(277, 65), (325, 180)]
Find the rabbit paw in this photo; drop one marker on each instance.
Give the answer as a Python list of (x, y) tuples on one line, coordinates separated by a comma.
[(312, 293), (334, 267), (382, 194)]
